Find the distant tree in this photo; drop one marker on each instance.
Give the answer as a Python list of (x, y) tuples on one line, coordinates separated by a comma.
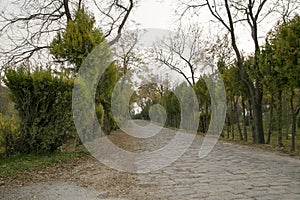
[(286, 52), (203, 96), (182, 52), (271, 84), (231, 14), (103, 96)]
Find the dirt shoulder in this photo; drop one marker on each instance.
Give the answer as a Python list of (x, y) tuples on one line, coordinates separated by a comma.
[(86, 172)]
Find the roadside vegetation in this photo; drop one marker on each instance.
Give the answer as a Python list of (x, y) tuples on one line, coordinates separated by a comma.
[(18, 164), (262, 88)]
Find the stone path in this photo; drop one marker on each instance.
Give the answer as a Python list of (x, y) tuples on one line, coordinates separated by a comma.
[(228, 172), (54, 191)]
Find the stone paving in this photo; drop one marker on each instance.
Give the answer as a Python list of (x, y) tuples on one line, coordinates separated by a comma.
[(228, 172)]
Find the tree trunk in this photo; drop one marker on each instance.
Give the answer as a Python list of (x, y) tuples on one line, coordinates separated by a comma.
[(294, 121), (244, 121), (251, 122), (270, 120), (232, 132), (293, 132), (287, 117), (228, 125), (207, 118), (232, 119), (256, 107), (280, 144), (238, 118), (258, 117), (287, 128)]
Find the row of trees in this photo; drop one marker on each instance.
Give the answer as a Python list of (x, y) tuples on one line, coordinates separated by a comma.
[(250, 14), (275, 80), (258, 85), (276, 76)]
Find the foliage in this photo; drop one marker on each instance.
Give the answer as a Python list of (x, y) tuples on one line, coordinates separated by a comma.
[(204, 100), (286, 47), (16, 165), (100, 113), (6, 105), (280, 63), (172, 106), (104, 92), (73, 45), (78, 40), (44, 106), (9, 131)]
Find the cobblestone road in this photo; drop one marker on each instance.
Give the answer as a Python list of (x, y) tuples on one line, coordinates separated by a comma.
[(228, 172)]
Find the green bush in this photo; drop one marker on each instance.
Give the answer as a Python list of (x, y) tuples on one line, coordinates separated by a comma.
[(100, 113), (171, 104), (44, 104), (9, 131), (103, 96)]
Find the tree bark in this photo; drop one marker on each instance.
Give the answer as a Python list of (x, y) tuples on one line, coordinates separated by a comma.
[(270, 120), (280, 144), (244, 121), (256, 101), (232, 119), (67, 10), (286, 119), (238, 119), (228, 126), (251, 122), (294, 120), (207, 118)]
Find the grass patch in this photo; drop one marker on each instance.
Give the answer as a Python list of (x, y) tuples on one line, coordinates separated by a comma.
[(17, 164), (273, 146)]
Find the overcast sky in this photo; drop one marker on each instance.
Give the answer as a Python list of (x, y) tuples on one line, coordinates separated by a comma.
[(161, 14), (155, 14)]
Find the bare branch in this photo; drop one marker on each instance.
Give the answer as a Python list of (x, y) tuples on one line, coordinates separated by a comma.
[(35, 23), (67, 10), (116, 15), (27, 30), (182, 52)]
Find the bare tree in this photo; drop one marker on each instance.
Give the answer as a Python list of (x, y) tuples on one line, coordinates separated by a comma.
[(286, 8), (187, 51), (128, 52), (27, 30), (180, 52), (249, 13), (129, 57)]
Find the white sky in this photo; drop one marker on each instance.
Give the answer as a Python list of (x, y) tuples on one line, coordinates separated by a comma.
[(161, 14), (155, 14)]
